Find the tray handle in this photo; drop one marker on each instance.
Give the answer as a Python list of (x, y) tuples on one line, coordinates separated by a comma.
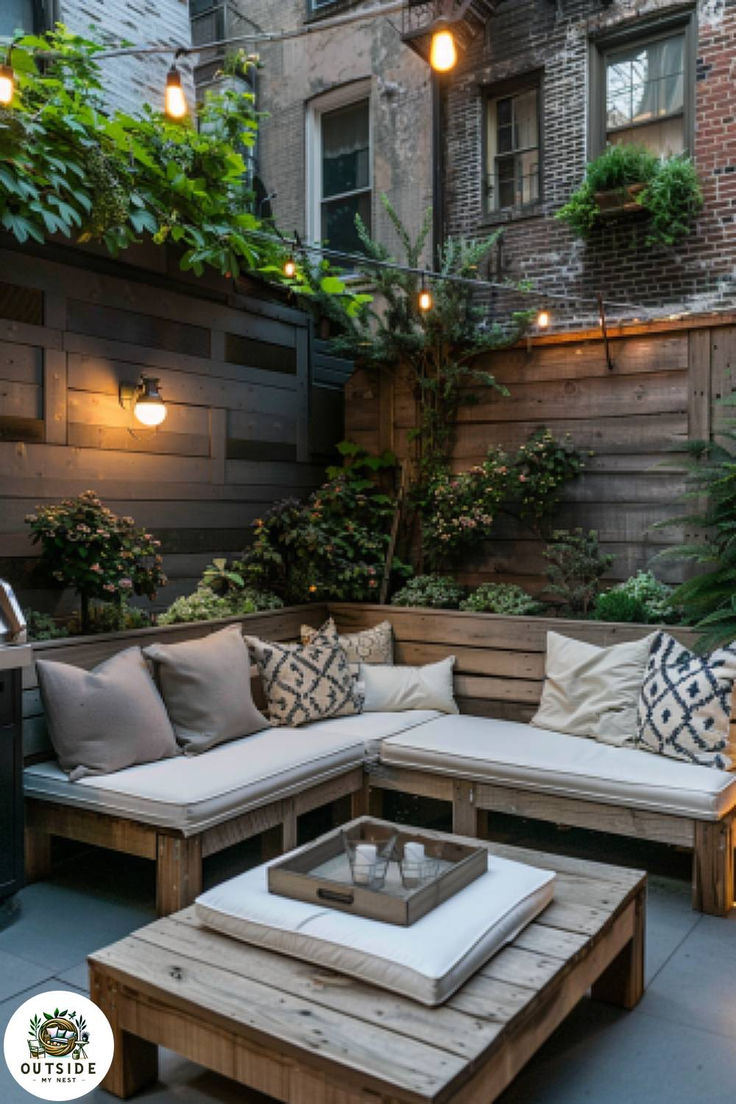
[(334, 895)]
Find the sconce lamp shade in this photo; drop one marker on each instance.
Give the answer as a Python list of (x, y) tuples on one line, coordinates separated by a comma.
[(442, 50), (149, 409), (7, 85), (175, 102)]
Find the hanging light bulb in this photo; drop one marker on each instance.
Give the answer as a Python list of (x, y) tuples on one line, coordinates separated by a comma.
[(290, 267), (442, 50), (543, 319), (425, 301), (175, 100), (7, 85), (149, 409)]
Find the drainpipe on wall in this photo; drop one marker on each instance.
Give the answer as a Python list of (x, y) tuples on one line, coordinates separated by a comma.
[(438, 167)]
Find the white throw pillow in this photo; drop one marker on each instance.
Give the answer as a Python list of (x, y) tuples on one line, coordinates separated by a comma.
[(394, 689), (592, 691)]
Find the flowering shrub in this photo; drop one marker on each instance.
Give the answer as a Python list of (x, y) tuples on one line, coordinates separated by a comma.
[(333, 545), (436, 591), (84, 545), (539, 469), (460, 509), (506, 598)]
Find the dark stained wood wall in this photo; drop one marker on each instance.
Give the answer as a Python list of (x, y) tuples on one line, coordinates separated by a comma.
[(636, 417), (247, 423)]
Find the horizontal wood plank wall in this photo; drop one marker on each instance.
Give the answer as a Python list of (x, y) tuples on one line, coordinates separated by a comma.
[(499, 661), (636, 418), (235, 375), (88, 651)]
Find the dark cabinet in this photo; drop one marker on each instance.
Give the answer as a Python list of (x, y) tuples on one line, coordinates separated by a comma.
[(11, 783)]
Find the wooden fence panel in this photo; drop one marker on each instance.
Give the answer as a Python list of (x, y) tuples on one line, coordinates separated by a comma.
[(235, 373), (636, 419)]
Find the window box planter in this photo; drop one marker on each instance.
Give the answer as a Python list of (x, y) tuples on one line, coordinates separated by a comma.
[(618, 201)]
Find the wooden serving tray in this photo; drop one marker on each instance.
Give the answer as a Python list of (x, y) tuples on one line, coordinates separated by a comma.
[(320, 873)]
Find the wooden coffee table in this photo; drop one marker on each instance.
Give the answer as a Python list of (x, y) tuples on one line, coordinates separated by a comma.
[(302, 1035)]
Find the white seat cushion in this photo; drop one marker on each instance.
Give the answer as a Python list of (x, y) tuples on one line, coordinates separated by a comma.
[(514, 754), (195, 793), (427, 961)]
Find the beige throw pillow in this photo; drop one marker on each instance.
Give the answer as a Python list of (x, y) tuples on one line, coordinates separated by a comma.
[(306, 683), (206, 686), (105, 719), (394, 689), (374, 645), (592, 691)]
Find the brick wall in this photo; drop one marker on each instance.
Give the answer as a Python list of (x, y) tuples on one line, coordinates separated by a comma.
[(129, 81), (526, 35)]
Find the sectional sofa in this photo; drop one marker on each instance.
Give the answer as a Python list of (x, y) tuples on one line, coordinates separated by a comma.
[(178, 811)]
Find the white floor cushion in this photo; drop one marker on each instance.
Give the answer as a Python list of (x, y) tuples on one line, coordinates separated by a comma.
[(427, 961), (513, 754)]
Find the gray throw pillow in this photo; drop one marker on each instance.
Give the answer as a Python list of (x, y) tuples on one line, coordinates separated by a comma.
[(106, 719), (206, 686)]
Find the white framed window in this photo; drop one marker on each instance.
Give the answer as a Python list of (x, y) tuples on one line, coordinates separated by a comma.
[(513, 148), (339, 166)]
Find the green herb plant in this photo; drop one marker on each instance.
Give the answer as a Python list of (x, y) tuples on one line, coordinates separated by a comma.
[(641, 598), (502, 598), (434, 591), (576, 565)]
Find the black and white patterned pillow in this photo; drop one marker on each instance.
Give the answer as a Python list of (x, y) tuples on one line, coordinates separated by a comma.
[(306, 683), (685, 704)]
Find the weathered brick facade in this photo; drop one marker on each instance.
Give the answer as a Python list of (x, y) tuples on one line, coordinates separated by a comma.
[(297, 71), (132, 81), (696, 275)]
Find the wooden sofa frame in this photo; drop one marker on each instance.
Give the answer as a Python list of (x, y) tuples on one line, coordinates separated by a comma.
[(499, 673)]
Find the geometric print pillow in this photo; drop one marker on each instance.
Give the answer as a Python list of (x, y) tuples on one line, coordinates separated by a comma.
[(306, 683), (685, 704)]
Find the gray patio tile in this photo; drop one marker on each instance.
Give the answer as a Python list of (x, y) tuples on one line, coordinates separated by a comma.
[(697, 984), (670, 919), (80, 922), (602, 1055), (17, 974)]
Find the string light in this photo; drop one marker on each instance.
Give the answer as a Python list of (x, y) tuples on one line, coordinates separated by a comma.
[(290, 267), (543, 319), (174, 99), (7, 85), (424, 299), (442, 50)]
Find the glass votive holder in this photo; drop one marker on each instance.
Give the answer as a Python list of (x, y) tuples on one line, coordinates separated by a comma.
[(416, 867), (368, 862)]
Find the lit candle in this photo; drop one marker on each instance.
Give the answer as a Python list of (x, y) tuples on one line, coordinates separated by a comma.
[(364, 861)]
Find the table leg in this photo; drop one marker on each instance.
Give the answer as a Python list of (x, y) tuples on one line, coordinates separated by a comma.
[(622, 982), (135, 1061)]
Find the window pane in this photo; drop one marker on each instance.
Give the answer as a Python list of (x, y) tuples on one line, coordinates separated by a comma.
[(513, 150), (15, 15), (645, 82), (345, 149), (338, 221), (663, 139), (525, 120)]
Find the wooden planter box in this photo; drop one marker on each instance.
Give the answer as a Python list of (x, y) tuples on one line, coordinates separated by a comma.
[(619, 201)]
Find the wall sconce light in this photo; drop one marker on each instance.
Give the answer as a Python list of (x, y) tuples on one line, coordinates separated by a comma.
[(145, 399)]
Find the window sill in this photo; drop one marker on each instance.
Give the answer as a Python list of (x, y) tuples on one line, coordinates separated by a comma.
[(329, 10), (512, 214)]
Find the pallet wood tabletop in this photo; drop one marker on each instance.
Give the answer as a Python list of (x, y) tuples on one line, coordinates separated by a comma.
[(301, 1034)]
